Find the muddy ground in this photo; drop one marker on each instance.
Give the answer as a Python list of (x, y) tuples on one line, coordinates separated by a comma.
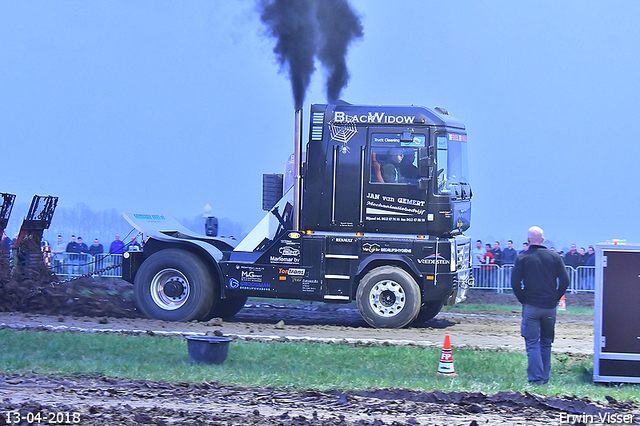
[(109, 307), (107, 401), (84, 306)]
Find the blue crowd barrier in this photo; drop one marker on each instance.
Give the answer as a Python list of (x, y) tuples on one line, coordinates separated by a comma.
[(71, 265)]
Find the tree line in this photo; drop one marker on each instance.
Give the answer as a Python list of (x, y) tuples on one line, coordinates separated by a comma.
[(83, 221)]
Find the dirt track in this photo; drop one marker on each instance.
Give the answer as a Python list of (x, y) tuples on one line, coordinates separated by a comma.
[(334, 322), (105, 401), (102, 400)]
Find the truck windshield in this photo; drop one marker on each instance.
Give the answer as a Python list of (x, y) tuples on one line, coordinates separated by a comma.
[(452, 165)]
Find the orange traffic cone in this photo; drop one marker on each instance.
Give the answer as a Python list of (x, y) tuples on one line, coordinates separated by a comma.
[(445, 368), (562, 304)]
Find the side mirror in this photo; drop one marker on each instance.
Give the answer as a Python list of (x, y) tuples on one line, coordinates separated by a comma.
[(425, 163), (407, 135)]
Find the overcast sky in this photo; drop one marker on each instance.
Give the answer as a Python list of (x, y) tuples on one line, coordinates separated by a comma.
[(163, 106)]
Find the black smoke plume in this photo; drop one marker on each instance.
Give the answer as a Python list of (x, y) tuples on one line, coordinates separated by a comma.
[(338, 26), (306, 29)]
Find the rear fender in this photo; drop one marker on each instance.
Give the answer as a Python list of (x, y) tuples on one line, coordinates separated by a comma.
[(132, 260), (166, 228), (164, 232)]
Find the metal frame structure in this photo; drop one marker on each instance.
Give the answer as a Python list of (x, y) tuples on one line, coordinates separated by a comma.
[(616, 352), (5, 209)]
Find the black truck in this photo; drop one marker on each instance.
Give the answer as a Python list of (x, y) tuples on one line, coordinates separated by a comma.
[(375, 213)]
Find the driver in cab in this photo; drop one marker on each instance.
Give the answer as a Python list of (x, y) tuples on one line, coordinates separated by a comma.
[(391, 172)]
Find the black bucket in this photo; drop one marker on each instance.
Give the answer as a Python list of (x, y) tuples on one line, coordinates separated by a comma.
[(207, 349)]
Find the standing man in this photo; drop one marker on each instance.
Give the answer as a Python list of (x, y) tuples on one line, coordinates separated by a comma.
[(509, 254), (73, 250), (96, 248), (83, 255), (539, 280), (96, 251), (115, 250), (508, 258), (488, 267), (573, 257), (497, 253), (134, 245), (477, 253), (117, 246), (590, 263)]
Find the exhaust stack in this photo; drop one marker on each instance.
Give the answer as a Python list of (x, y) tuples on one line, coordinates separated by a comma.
[(297, 166)]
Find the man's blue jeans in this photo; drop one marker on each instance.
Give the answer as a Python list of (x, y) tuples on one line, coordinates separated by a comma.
[(538, 331)]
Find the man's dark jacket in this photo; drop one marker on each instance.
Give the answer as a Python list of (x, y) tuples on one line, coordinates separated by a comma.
[(544, 275), (572, 259), (73, 247), (497, 254), (96, 249), (509, 256)]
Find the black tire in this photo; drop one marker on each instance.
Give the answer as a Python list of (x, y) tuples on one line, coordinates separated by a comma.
[(226, 308), (388, 297), (429, 310), (174, 285)]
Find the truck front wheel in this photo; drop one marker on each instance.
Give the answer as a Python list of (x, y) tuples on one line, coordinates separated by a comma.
[(174, 285), (388, 297)]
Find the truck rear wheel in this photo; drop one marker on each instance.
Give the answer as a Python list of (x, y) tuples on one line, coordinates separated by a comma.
[(174, 285), (429, 310), (388, 297)]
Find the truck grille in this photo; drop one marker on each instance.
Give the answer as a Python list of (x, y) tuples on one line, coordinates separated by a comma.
[(463, 256)]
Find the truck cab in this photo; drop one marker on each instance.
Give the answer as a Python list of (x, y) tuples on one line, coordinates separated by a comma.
[(396, 170)]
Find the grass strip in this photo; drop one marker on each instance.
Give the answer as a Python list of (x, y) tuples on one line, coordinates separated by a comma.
[(294, 365), (513, 309)]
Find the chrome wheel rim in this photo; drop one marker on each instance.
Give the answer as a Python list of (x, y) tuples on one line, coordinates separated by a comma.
[(170, 289), (387, 298)]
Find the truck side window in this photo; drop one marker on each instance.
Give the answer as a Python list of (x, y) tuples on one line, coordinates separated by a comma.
[(393, 161), (394, 165)]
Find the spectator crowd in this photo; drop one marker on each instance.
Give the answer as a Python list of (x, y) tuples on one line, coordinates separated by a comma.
[(488, 256), (75, 254)]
